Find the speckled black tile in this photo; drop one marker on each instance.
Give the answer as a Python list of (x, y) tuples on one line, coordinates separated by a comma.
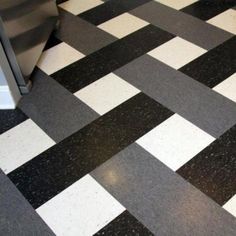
[(10, 118), (17, 217), (52, 41), (181, 24), (124, 225), (207, 9), (57, 168), (109, 10), (60, 1), (213, 170), (159, 198), (111, 57), (214, 66), (80, 34)]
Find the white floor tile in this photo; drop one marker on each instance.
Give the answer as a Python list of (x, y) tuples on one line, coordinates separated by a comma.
[(175, 141), (22, 143), (177, 52), (58, 57), (230, 206), (228, 87), (225, 21), (80, 210), (176, 4), (106, 93), (78, 6), (123, 25)]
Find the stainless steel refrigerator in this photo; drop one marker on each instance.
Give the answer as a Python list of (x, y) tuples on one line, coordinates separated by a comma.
[(25, 26)]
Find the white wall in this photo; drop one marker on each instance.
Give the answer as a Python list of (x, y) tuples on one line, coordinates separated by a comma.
[(9, 92)]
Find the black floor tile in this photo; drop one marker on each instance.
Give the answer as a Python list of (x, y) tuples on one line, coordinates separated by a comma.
[(214, 66), (124, 224), (213, 170), (109, 10), (98, 64), (57, 168)]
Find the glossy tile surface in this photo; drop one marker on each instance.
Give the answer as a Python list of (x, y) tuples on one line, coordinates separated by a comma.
[(173, 206), (76, 156), (129, 128), (177, 52), (106, 93), (82, 203)]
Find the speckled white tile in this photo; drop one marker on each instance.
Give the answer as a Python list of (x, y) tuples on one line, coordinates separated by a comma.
[(230, 206), (22, 143), (123, 25), (78, 6), (106, 93), (58, 57), (80, 210), (176, 4), (225, 21), (227, 88), (177, 52), (175, 141)]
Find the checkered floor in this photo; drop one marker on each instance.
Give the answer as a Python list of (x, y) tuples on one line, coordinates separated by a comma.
[(130, 128)]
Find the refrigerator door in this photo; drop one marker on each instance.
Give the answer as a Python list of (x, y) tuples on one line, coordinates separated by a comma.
[(25, 26)]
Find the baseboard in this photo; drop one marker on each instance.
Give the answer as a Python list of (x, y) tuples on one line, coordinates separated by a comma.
[(6, 100)]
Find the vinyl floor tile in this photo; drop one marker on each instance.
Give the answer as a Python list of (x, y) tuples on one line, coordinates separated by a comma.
[(82, 203), (177, 52), (230, 206), (176, 4)]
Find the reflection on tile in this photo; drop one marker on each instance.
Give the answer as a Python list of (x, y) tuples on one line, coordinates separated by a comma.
[(228, 87), (76, 7), (124, 224), (60, 166), (175, 141), (21, 144), (225, 21), (81, 35), (230, 206), (123, 25), (205, 10), (16, 214), (185, 26), (98, 64), (214, 66), (198, 104), (106, 93), (213, 170), (159, 198), (82, 209), (109, 10), (176, 4), (59, 113), (58, 57), (177, 52), (10, 118)]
